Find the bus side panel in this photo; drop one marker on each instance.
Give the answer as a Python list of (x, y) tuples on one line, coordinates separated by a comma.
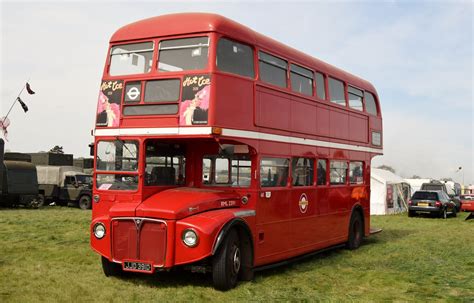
[(233, 101), (272, 109)]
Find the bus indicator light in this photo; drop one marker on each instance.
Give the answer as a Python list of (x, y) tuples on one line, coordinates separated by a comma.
[(217, 131)]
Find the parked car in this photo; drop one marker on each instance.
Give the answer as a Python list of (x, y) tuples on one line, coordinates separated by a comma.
[(434, 202), (436, 185), (467, 204)]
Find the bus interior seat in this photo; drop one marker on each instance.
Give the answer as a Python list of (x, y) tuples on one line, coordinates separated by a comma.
[(163, 175)]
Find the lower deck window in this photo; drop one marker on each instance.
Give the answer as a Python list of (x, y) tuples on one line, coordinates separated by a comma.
[(116, 182), (321, 171), (302, 171), (338, 172), (165, 164), (356, 173), (274, 172), (231, 171)]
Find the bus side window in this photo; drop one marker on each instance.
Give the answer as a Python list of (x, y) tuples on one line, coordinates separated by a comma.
[(235, 58), (301, 80), (302, 171), (338, 172), (336, 91), (320, 88), (370, 105), (356, 173), (322, 168), (274, 172), (272, 69), (355, 98)]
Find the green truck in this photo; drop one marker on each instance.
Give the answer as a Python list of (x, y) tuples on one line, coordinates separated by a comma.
[(64, 185), (18, 179)]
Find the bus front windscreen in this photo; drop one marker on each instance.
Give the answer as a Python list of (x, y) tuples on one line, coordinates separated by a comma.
[(117, 156), (183, 54), (128, 59)]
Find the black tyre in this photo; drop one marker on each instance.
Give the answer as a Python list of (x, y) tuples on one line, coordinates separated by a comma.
[(85, 202), (454, 212), (444, 213), (226, 264), (356, 231), (41, 201), (411, 213), (111, 269)]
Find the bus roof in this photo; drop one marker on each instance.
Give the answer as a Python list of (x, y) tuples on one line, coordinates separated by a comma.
[(189, 23)]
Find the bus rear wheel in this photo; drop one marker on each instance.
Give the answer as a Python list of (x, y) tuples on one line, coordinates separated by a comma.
[(226, 264), (356, 231)]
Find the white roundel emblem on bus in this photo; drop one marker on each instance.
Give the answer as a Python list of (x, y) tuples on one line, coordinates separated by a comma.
[(133, 93), (304, 203)]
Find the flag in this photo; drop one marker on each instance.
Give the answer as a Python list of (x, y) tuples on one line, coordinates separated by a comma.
[(28, 89), (4, 123), (23, 105)]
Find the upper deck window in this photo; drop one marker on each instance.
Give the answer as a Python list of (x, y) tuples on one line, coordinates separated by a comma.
[(131, 59), (235, 58), (355, 98), (272, 69), (320, 88), (162, 90), (183, 54), (370, 105), (336, 91), (301, 80)]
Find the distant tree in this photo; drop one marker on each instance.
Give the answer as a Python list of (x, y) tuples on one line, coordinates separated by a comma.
[(415, 177), (446, 179), (386, 167), (57, 150)]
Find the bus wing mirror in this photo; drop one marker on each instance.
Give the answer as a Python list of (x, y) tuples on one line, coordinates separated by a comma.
[(91, 147), (226, 150)]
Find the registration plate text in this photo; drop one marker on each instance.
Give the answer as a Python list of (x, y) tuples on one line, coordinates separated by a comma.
[(137, 266)]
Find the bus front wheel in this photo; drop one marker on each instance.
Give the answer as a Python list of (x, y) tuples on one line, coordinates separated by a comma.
[(356, 231), (110, 269), (226, 264)]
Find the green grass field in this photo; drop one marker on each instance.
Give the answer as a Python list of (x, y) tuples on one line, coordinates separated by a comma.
[(45, 256)]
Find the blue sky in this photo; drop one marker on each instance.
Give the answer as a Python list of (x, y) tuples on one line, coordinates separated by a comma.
[(417, 54)]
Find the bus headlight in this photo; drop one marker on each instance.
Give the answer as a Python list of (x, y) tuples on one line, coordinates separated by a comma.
[(190, 238), (99, 230)]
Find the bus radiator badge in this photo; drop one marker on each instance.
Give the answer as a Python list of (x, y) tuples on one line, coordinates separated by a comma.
[(304, 202)]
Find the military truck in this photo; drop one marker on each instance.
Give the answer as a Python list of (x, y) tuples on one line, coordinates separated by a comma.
[(18, 179), (64, 185)]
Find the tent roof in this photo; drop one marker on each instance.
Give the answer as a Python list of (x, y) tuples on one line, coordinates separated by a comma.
[(385, 176)]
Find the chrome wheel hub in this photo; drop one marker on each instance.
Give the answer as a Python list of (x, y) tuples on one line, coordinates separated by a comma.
[(236, 260)]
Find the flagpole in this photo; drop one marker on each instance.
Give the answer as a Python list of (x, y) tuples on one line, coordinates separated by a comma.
[(16, 99)]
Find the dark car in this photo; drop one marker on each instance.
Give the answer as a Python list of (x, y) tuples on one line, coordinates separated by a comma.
[(434, 202), (436, 185)]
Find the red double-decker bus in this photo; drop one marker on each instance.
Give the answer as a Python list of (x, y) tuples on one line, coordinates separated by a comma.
[(221, 150)]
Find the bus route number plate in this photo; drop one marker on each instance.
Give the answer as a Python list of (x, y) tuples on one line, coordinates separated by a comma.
[(137, 266)]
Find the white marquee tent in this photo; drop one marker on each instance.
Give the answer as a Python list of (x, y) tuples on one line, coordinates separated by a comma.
[(389, 192)]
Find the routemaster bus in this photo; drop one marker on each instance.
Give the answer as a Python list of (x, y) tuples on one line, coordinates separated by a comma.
[(222, 151)]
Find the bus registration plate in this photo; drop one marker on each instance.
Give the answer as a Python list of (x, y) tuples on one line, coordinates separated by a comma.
[(137, 266)]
